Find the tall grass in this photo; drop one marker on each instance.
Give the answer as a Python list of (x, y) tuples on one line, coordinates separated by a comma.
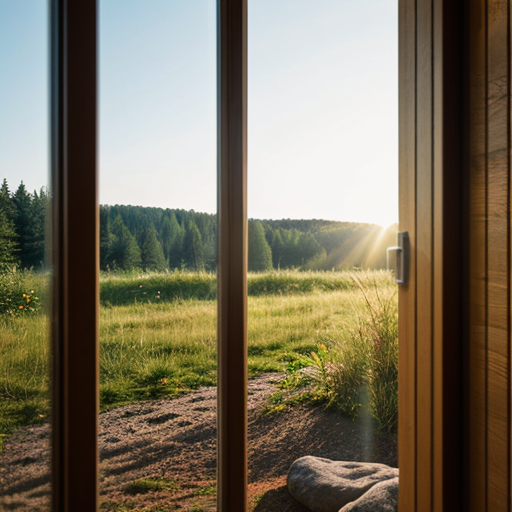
[(357, 368), (24, 349), (152, 347)]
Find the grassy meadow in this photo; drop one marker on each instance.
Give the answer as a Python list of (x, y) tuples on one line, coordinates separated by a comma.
[(332, 333)]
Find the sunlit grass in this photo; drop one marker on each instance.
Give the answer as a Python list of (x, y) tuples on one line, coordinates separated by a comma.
[(24, 371), (150, 349)]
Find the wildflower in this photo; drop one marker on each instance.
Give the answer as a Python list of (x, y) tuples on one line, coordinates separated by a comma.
[(20, 307), (32, 291), (24, 295), (322, 347)]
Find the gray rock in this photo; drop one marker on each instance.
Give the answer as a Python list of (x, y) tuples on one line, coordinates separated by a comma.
[(382, 497), (324, 485)]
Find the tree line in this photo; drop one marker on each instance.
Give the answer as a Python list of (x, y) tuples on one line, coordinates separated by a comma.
[(22, 226), (155, 239)]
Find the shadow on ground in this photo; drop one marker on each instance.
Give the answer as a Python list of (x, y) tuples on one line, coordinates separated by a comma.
[(279, 499)]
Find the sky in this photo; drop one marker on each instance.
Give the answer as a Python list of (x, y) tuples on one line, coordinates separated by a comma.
[(322, 105)]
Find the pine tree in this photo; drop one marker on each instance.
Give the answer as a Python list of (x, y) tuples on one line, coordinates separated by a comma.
[(23, 224), (8, 238), (39, 208), (125, 251), (289, 257), (106, 239), (152, 254), (260, 254), (172, 240), (277, 248), (7, 244), (193, 247), (6, 202), (308, 248)]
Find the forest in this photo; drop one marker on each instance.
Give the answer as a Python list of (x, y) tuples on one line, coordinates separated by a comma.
[(156, 239)]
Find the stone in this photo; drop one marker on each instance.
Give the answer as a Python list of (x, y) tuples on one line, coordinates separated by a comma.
[(324, 485), (382, 497)]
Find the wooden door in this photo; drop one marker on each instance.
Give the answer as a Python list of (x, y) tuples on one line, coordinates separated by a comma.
[(431, 304)]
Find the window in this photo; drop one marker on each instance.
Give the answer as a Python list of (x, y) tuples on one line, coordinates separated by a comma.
[(75, 228)]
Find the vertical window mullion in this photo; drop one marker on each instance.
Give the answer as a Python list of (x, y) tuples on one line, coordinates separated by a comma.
[(232, 256), (75, 255)]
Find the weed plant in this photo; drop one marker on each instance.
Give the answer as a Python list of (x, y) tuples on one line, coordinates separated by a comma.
[(358, 367), (21, 291)]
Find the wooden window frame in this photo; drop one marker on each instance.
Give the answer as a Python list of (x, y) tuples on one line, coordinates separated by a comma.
[(431, 32), (75, 244)]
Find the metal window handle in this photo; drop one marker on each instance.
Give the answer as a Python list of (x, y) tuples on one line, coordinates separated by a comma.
[(398, 258)]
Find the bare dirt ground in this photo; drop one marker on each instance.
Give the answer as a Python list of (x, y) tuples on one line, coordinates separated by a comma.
[(173, 442)]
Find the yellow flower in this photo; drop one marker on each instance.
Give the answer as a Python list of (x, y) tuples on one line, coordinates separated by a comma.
[(31, 291), (322, 347), (24, 295)]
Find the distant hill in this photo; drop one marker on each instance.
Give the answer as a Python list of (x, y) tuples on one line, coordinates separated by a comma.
[(158, 239), (188, 240)]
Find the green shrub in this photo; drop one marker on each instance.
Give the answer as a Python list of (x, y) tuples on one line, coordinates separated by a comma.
[(18, 292)]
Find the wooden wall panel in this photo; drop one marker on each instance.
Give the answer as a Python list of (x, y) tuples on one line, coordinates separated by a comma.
[(497, 260), (488, 446), (476, 367)]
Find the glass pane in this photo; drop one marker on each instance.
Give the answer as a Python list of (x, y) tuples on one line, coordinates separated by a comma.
[(323, 207), (158, 308), (24, 271)]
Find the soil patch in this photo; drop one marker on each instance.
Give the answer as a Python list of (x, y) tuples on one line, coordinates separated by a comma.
[(161, 456)]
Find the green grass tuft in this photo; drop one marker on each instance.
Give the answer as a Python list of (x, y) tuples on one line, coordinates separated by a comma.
[(151, 484)]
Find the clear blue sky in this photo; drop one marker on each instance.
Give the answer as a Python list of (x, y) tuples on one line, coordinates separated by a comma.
[(323, 105)]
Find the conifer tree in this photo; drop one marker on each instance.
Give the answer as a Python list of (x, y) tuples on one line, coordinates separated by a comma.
[(106, 239), (8, 239), (39, 207), (172, 240), (193, 247), (152, 254), (6, 202), (308, 248), (125, 251), (23, 224), (260, 254), (7, 244), (277, 248), (289, 257)]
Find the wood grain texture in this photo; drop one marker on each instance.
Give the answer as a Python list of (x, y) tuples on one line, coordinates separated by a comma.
[(509, 222), (424, 248), (75, 234), (407, 222), (439, 213), (431, 126), (476, 383), (232, 257), (498, 381), (488, 399)]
